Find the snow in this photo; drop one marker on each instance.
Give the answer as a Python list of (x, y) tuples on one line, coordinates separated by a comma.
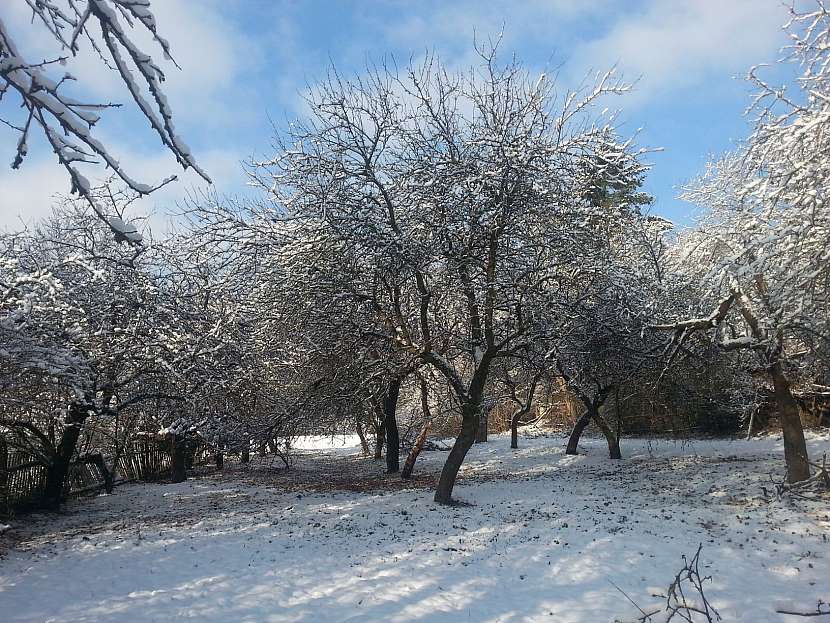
[(545, 536), (127, 230), (326, 442)]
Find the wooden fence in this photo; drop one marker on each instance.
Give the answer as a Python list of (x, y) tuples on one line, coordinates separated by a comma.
[(143, 461), (22, 481)]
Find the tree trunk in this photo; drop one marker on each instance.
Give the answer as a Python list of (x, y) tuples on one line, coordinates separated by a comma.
[(245, 457), (409, 464), (59, 469), (220, 460), (612, 439), (514, 425), (178, 458), (106, 474), (751, 425), (380, 435), (578, 429), (4, 478), (463, 443), (189, 453), (390, 423), (795, 447), (481, 433), (364, 445)]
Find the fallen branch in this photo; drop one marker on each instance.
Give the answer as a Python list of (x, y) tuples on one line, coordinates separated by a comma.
[(694, 608), (819, 612), (814, 486)]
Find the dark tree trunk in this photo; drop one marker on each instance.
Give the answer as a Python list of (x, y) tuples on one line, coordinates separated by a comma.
[(178, 458), (220, 460), (795, 447), (481, 433), (390, 423), (514, 431), (612, 439), (59, 469), (262, 449), (409, 464), (614, 448), (245, 457), (463, 443), (578, 429), (189, 454), (4, 478)]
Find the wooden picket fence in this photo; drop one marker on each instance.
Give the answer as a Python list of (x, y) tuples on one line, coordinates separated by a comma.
[(22, 481), (143, 461)]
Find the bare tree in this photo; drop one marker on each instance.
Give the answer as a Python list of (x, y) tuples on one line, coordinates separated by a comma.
[(762, 254), (447, 207)]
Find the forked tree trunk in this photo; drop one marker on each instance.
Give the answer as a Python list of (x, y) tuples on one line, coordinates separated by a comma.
[(409, 464), (795, 447), (390, 424), (178, 458), (58, 471), (463, 443), (514, 425), (576, 433)]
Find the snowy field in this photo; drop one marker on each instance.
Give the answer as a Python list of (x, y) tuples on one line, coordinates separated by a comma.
[(543, 540)]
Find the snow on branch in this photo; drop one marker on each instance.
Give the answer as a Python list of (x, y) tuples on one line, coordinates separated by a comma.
[(66, 122)]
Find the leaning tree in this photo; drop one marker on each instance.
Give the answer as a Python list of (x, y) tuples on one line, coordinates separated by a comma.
[(762, 253)]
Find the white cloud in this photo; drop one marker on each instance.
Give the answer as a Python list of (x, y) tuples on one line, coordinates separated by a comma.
[(682, 43), (671, 44)]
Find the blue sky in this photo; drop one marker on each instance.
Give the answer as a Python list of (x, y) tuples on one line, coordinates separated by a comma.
[(245, 62)]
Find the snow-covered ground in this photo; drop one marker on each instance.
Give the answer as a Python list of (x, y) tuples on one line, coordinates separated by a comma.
[(544, 538)]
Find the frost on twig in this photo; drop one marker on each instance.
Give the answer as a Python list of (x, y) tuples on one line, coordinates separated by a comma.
[(66, 122)]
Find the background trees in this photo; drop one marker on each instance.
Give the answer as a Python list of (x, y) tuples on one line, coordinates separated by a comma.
[(428, 243)]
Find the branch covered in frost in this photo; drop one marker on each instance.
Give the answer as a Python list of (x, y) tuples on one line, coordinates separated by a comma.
[(68, 123)]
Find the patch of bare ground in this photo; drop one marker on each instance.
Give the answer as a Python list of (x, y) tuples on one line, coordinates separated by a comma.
[(323, 472)]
